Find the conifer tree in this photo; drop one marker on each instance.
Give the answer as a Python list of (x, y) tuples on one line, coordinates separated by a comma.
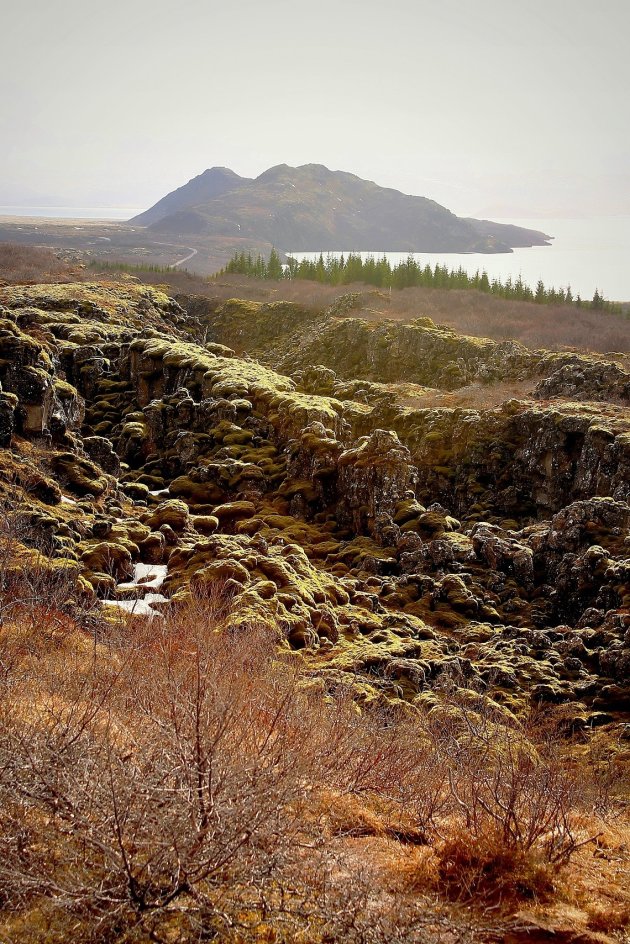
[(598, 301), (274, 266)]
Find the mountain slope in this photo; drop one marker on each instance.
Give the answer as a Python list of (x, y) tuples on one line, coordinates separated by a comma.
[(311, 208), (212, 183)]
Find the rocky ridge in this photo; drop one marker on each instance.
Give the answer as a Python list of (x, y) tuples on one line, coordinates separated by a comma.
[(395, 547)]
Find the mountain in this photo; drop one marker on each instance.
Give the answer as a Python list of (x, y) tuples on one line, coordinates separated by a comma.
[(212, 183), (311, 208)]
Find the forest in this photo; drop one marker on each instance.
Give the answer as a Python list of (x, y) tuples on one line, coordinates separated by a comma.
[(347, 269)]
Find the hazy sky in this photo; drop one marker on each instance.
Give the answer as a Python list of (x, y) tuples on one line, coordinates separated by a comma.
[(497, 107)]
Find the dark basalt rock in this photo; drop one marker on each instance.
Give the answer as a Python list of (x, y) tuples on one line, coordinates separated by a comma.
[(580, 380), (8, 404), (395, 546)]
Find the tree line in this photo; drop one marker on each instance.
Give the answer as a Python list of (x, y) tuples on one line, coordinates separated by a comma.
[(346, 269)]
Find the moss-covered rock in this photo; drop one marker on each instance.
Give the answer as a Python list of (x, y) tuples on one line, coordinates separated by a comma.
[(80, 475), (108, 558), (401, 548), (172, 512)]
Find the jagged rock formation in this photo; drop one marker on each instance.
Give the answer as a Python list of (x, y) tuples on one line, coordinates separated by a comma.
[(394, 545)]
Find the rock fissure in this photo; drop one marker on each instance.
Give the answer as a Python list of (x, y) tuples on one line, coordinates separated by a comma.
[(393, 543)]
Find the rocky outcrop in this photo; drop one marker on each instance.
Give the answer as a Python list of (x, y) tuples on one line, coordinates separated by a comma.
[(580, 379), (393, 546), (294, 338), (520, 459)]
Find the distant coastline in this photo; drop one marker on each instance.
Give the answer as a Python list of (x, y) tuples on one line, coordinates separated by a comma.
[(584, 253), (70, 213)]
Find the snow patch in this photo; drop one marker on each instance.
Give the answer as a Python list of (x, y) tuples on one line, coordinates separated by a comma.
[(140, 607)]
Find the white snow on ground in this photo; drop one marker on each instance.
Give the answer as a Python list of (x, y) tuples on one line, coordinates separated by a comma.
[(140, 607), (146, 575)]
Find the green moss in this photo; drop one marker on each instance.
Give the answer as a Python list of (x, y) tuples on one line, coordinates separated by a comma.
[(65, 391), (300, 487), (233, 511), (220, 571), (171, 512), (108, 558), (136, 490), (81, 475), (103, 585), (206, 524), (195, 492), (408, 510)]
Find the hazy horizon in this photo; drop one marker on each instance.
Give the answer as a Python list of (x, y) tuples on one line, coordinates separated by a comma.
[(505, 111)]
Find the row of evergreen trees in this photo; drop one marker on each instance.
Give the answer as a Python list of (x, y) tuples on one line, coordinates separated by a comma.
[(344, 270), (104, 265)]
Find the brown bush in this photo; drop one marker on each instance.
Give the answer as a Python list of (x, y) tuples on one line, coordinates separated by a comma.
[(28, 264), (551, 327), (176, 783)]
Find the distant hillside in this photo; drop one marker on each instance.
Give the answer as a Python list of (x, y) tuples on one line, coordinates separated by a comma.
[(311, 208), (212, 183)]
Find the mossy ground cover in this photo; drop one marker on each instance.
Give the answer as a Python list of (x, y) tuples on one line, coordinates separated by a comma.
[(286, 468), (409, 557), (457, 452)]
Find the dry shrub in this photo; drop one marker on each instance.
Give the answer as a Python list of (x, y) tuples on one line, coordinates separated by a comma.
[(553, 327), (512, 804), (29, 264), (173, 780), (484, 870), (537, 326), (178, 780), (608, 917), (183, 783), (37, 589), (512, 785)]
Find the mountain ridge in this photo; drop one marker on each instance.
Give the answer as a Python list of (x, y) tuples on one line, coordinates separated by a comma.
[(311, 207), (211, 182)]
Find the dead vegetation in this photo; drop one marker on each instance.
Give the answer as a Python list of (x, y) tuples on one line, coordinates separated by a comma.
[(160, 781), (553, 327), (476, 396), (34, 264)]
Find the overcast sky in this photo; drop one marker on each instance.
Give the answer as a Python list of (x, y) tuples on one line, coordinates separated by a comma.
[(492, 107)]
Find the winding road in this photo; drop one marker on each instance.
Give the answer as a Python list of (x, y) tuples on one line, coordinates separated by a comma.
[(193, 252)]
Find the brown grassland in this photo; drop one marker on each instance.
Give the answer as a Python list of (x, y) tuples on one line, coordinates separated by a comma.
[(22, 264), (553, 327)]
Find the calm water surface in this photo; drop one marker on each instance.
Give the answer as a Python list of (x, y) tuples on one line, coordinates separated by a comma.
[(585, 254), (72, 213)]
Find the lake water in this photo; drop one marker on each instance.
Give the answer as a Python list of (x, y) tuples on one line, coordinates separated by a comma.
[(585, 254), (72, 213)]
